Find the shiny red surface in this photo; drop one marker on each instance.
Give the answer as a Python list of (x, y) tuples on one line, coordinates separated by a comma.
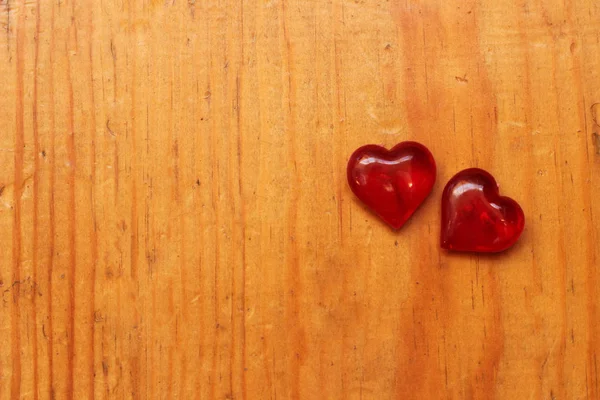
[(392, 183), (475, 217)]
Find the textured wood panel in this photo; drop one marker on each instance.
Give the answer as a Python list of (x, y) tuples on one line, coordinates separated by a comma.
[(175, 220)]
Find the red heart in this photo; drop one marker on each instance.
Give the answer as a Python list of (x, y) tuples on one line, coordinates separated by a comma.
[(475, 217), (392, 183)]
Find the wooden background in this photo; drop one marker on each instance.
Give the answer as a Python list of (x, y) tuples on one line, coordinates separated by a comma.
[(175, 220)]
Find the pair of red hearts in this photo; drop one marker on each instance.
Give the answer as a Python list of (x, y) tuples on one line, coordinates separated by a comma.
[(393, 183)]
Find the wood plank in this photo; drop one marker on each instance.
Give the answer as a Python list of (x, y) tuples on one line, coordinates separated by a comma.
[(175, 220)]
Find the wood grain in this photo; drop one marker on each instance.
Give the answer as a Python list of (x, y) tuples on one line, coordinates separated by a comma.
[(175, 220)]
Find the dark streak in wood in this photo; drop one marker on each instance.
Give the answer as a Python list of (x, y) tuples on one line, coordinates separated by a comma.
[(596, 142), (52, 206), (595, 113), (15, 387), (8, 10), (36, 188), (91, 358), (113, 52), (242, 206), (295, 335), (72, 221), (134, 245)]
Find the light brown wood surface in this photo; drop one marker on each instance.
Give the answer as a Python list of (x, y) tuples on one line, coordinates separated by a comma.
[(175, 221)]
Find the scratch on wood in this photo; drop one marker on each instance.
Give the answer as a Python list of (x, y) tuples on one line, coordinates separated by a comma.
[(454, 119), (572, 336), (472, 297), (110, 131)]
